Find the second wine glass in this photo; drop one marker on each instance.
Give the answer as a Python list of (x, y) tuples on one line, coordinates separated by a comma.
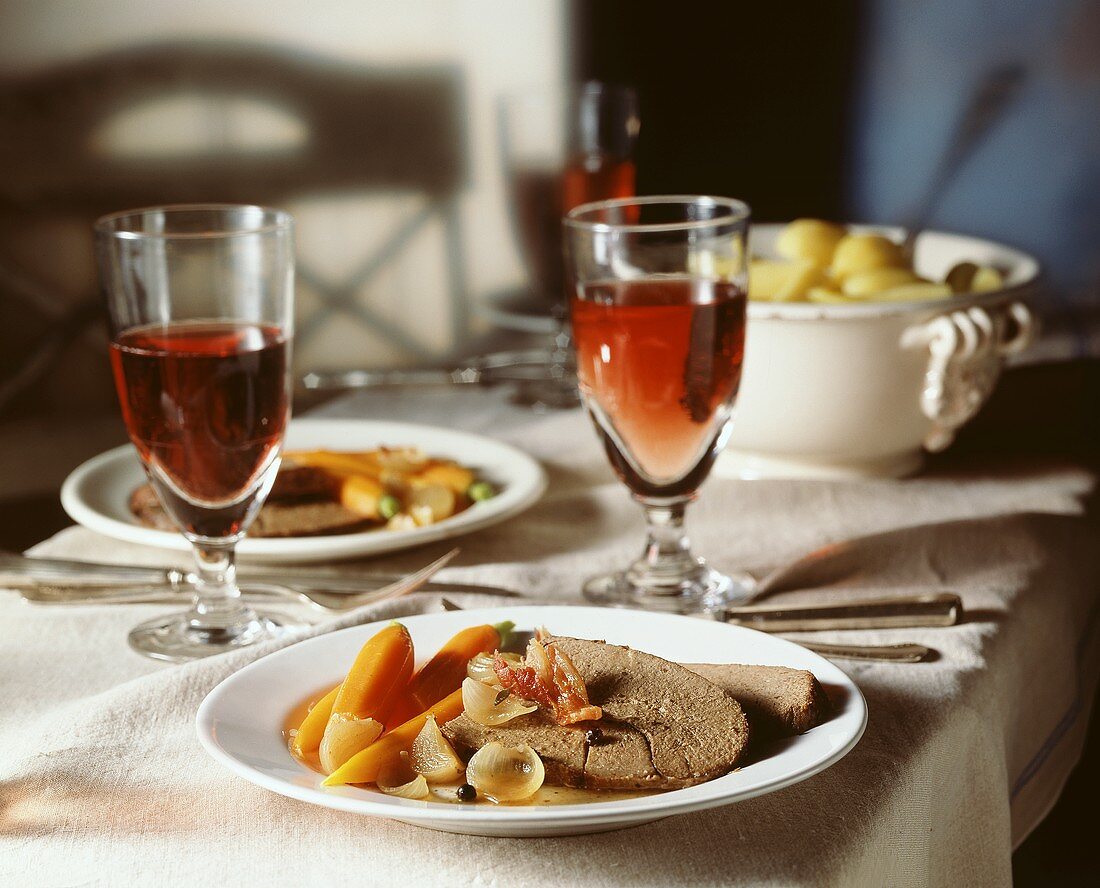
[(200, 300), (658, 316)]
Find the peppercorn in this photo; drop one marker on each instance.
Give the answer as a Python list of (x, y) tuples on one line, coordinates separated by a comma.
[(593, 736), (467, 793)]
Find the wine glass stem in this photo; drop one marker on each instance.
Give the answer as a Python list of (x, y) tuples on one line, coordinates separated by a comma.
[(217, 597), (667, 550)]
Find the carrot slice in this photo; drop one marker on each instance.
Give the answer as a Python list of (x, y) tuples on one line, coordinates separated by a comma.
[(372, 687), (312, 728), (378, 676), (445, 671), (363, 767)]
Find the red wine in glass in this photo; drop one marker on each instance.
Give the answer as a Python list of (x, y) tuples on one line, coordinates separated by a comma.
[(206, 405), (659, 362)]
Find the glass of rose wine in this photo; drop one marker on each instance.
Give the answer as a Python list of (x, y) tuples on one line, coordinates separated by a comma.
[(200, 304), (658, 316)]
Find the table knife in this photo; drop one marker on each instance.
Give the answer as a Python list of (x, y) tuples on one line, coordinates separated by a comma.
[(936, 609)]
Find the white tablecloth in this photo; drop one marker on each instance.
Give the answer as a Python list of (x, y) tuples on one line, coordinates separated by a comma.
[(103, 780)]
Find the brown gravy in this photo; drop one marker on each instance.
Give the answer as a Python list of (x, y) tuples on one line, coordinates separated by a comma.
[(445, 793)]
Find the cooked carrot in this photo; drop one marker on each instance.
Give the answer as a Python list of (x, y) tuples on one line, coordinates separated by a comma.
[(378, 676), (363, 767), (312, 728), (363, 463), (445, 671)]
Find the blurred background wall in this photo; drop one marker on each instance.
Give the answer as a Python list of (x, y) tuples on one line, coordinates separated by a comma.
[(376, 123)]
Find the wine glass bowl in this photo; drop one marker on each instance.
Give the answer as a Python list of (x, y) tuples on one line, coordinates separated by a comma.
[(200, 306), (658, 317)]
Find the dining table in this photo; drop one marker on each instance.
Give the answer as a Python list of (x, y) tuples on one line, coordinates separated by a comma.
[(103, 779)]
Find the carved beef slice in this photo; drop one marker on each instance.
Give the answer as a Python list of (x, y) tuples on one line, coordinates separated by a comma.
[(664, 727)]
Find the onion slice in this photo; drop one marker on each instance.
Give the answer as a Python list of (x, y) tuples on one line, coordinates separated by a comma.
[(432, 755), (398, 779), (481, 704), (480, 668), (505, 773), (345, 735)]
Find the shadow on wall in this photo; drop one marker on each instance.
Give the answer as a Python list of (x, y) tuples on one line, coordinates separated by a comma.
[(178, 123)]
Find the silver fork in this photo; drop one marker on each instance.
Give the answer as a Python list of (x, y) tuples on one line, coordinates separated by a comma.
[(319, 599)]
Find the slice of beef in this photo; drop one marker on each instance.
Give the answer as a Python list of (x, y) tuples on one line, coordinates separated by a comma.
[(560, 748), (778, 701), (309, 518), (276, 519), (295, 482), (664, 727), (694, 730), (620, 759)]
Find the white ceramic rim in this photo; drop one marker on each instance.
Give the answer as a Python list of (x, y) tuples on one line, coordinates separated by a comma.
[(851, 722), (809, 311), (524, 486)]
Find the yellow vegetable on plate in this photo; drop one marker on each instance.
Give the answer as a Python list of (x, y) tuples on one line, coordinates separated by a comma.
[(457, 478), (308, 736), (361, 495), (372, 688)]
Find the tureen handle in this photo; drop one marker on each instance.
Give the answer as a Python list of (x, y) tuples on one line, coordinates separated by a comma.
[(966, 350)]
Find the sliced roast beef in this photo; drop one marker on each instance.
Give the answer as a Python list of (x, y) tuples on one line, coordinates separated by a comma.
[(694, 730), (778, 701), (664, 727)]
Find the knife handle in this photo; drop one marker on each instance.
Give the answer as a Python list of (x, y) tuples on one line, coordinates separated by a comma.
[(937, 609), (890, 653)]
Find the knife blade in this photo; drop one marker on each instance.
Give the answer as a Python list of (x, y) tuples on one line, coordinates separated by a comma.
[(934, 609)]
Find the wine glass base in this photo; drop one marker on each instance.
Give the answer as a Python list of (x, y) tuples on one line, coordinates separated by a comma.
[(705, 592), (177, 639)]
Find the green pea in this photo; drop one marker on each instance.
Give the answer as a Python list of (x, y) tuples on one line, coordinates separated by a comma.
[(388, 506), (481, 490)]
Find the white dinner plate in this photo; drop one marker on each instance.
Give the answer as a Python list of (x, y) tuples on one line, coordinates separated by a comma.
[(241, 720), (97, 493)]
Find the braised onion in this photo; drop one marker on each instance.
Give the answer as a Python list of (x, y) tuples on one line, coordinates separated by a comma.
[(399, 779), (480, 668), (505, 773), (345, 735), (432, 755), (490, 706)]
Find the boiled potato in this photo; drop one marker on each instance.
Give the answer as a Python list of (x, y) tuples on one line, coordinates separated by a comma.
[(809, 239), (783, 281), (803, 276), (920, 292), (967, 277), (767, 277), (868, 283), (864, 252), (431, 503)]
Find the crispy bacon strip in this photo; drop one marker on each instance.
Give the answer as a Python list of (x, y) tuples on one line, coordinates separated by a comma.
[(548, 678)]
